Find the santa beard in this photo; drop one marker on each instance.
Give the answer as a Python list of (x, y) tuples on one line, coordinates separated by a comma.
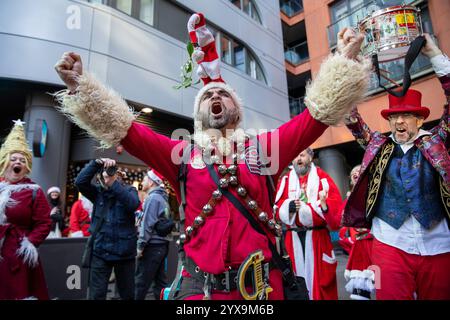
[(302, 170), (206, 118)]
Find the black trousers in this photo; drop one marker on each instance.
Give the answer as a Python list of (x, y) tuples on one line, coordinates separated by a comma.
[(150, 268), (100, 273)]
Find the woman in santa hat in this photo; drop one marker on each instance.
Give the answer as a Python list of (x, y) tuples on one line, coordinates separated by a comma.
[(24, 221)]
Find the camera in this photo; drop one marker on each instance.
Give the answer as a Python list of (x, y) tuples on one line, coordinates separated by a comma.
[(110, 171)]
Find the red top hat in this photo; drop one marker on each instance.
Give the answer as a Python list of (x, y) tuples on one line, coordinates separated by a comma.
[(411, 102)]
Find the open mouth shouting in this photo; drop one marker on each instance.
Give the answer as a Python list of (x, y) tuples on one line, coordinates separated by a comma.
[(217, 109), (17, 168)]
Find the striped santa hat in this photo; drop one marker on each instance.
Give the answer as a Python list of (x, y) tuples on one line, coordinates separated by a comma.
[(205, 55)]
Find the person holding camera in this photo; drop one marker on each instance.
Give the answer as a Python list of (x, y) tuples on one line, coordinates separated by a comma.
[(112, 244), (153, 245)]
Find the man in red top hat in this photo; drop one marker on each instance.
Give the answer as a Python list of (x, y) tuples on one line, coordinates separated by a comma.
[(403, 194)]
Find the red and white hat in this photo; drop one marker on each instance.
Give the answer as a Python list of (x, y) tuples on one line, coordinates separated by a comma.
[(155, 176), (205, 55)]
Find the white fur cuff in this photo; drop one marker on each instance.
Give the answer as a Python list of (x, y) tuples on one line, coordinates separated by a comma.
[(305, 215), (285, 216), (357, 279), (339, 85), (28, 253), (97, 109)]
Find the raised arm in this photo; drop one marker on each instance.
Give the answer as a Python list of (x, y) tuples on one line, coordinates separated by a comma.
[(341, 82), (441, 66), (107, 118)]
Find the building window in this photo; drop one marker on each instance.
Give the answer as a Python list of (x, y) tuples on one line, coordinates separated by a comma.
[(146, 11), (249, 7), (291, 7), (139, 9), (225, 48), (237, 55)]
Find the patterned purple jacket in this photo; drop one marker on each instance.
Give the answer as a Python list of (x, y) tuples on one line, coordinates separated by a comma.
[(359, 209)]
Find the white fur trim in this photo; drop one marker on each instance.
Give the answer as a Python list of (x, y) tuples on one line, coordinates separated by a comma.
[(234, 96), (97, 109), (330, 260), (305, 215), (6, 190), (281, 188), (358, 279), (28, 253), (340, 84), (77, 234), (285, 217), (309, 263), (53, 189), (298, 255)]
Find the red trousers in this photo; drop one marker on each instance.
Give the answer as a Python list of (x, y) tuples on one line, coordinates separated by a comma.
[(406, 276)]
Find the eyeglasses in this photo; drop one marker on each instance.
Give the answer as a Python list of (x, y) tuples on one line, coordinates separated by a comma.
[(405, 116)]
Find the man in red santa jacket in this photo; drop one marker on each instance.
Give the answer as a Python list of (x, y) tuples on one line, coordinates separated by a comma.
[(309, 204), (217, 238)]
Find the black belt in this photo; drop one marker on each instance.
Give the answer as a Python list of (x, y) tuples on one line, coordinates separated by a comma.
[(303, 229), (226, 281)]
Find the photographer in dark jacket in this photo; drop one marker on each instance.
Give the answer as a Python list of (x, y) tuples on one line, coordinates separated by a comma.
[(114, 244)]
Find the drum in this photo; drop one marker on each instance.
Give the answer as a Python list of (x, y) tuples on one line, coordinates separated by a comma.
[(389, 32)]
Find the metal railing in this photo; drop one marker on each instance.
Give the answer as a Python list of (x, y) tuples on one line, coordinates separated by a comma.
[(296, 106), (297, 54), (291, 7), (395, 69), (350, 20)]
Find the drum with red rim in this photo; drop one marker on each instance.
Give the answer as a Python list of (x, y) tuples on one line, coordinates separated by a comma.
[(389, 32)]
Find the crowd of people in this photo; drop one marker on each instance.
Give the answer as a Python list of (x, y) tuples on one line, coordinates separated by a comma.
[(395, 219)]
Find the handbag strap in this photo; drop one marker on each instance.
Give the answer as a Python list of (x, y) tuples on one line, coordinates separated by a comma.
[(286, 271), (411, 56)]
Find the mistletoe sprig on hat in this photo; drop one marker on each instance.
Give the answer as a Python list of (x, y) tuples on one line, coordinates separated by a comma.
[(187, 70)]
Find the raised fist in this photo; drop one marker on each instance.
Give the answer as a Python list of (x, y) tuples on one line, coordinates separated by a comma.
[(430, 49), (349, 43), (69, 68)]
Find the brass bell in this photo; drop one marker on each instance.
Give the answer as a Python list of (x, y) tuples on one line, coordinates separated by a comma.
[(263, 216), (232, 169), (241, 191), (217, 194), (234, 181), (252, 204), (222, 169), (198, 220), (207, 208), (223, 183)]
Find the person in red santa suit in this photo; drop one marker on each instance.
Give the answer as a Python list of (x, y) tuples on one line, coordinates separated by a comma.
[(80, 217), (309, 203), (24, 221), (359, 245), (217, 237)]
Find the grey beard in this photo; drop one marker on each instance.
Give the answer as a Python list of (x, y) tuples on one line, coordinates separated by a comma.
[(302, 170), (208, 121)]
